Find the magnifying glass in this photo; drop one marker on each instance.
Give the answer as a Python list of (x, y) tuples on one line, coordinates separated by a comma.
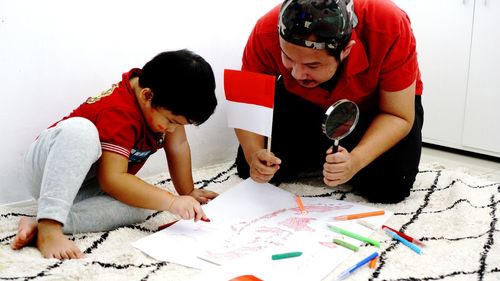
[(339, 121)]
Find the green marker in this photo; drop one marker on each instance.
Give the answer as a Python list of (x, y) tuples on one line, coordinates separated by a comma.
[(286, 255), (354, 235), (345, 244)]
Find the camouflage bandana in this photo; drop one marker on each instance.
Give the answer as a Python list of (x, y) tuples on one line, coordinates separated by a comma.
[(330, 21)]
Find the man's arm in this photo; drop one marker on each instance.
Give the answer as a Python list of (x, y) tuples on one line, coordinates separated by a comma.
[(263, 165), (391, 125)]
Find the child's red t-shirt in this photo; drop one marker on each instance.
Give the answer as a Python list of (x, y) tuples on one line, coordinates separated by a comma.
[(120, 122)]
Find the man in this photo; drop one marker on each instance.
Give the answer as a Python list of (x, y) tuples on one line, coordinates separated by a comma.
[(324, 51)]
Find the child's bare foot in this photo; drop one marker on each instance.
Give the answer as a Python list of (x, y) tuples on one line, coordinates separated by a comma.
[(26, 233), (52, 242)]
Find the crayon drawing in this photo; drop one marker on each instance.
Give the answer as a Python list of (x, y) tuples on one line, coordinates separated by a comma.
[(276, 229), (249, 223)]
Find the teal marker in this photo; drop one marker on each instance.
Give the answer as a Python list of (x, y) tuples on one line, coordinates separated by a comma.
[(286, 255), (404, 241)]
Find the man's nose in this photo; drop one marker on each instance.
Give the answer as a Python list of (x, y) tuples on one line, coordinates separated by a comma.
[(298, 72)]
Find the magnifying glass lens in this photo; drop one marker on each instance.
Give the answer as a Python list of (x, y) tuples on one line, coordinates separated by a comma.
[(340, 120)]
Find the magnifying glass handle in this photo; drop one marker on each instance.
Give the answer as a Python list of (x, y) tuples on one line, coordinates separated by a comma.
[(335, 146)]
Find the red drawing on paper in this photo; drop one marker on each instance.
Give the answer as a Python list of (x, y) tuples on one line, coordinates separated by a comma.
[(298, 223), (273, 229)]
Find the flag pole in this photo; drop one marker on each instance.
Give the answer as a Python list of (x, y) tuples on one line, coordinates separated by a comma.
[(268, 144)]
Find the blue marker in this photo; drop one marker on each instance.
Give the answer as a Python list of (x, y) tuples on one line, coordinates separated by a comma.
[(404, 241), (351, 269)]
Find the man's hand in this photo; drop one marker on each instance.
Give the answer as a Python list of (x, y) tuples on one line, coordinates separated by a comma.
[(339, 167), (203, 196), (186, 207), (263, 166)]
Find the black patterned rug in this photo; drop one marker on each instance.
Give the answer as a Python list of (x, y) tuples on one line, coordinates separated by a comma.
[(454, 212)]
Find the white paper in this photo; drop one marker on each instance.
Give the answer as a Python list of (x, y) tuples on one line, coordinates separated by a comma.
[(252, 221)]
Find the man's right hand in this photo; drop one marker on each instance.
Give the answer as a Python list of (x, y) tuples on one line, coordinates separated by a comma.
[(263, 166)]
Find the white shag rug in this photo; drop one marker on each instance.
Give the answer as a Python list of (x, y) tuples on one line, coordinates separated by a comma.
[(452, 211)]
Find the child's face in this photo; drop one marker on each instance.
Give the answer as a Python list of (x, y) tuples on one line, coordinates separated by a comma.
[(161, 120)]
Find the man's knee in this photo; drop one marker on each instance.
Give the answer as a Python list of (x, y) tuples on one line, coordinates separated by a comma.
[(386, 190), (242, 165)]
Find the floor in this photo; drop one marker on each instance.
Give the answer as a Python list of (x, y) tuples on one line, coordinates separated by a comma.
[(482, 167)]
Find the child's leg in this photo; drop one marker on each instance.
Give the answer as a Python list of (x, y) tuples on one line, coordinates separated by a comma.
[(56, 165), (61, 159), (49, 239), (94, 210), (52, 243), (102, 213), (26, 232)]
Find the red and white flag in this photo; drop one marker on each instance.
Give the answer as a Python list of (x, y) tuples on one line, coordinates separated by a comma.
[(250, 101)]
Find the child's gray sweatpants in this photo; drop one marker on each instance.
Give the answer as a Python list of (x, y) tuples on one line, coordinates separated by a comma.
[(61, 171)]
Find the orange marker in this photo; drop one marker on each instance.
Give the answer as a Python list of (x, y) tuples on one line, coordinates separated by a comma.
[(360, 215), (373, 263), (299, 203)]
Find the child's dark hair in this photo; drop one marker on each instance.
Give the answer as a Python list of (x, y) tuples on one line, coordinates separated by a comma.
[(182, 82)]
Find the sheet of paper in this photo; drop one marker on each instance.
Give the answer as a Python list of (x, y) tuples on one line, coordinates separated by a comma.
[(252, 221)]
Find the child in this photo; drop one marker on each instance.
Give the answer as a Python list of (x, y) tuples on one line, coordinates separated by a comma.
[(82, 169)]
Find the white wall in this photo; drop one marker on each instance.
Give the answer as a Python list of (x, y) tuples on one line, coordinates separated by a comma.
[(56, 53)]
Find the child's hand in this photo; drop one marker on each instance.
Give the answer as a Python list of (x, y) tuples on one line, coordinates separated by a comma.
[(186, 207), (203, 196)]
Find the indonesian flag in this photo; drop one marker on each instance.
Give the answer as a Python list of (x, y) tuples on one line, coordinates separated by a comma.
[(250, 100)]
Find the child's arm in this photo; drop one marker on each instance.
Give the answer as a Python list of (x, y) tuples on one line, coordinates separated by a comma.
[(178, 155), (129, 189)]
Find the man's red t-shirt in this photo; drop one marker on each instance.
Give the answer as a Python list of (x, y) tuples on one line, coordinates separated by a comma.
[(383, 58)]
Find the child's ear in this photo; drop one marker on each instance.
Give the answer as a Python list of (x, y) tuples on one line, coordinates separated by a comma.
[(147, 94)]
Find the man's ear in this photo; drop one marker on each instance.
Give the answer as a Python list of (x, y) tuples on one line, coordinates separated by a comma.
[(347, 50)]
